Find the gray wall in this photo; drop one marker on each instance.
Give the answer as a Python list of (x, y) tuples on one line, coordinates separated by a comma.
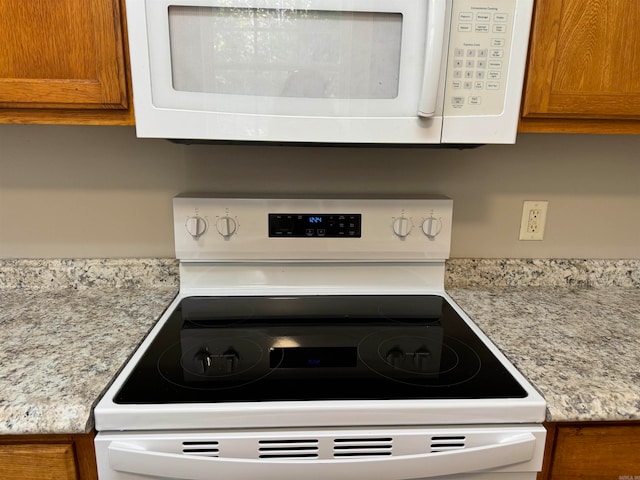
[(69, 191)]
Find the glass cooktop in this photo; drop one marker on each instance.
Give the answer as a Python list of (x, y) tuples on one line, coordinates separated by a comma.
[(285, 348)]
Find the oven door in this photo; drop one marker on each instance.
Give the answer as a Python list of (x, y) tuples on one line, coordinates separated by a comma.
[(506, 452), (304, 70)]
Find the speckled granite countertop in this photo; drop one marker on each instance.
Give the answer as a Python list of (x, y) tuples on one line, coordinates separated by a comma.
[(579, 346), (67, 327), (572, 327)]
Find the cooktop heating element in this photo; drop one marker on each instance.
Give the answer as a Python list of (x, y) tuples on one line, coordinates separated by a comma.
[(238, 349)]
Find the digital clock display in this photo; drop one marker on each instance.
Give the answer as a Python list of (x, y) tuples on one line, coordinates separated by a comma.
[(315, 225)]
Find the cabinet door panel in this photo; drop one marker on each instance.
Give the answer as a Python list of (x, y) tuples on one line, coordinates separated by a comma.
[(61, 54), (584, 60), (597, 452), (38, 462)]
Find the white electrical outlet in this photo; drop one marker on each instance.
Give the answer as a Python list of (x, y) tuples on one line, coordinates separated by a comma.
[(534, 217)]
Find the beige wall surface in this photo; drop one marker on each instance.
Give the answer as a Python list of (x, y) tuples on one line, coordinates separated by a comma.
[(97, 192)]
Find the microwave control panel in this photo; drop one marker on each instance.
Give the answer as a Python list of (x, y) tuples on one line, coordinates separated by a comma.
[(479, 51)]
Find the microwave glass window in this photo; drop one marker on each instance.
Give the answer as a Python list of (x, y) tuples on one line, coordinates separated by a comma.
[(285, 53)]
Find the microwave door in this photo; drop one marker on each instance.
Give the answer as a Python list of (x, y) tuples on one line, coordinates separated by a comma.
[(436, 19), (324, 71), (315, 60)]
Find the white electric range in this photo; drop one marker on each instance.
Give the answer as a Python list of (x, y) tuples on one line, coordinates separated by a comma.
[(314, 337)]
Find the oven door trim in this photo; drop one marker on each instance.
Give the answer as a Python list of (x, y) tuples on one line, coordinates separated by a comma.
[(415, 452)]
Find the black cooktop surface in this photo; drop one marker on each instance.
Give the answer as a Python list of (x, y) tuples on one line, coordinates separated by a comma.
[(277, 348)]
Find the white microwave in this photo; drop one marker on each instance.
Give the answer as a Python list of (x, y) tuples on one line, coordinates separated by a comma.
[(329, 71)]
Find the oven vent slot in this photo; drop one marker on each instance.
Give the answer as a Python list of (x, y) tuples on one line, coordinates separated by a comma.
[(362, 447), (297, 449), (447, 443), (201, 449)]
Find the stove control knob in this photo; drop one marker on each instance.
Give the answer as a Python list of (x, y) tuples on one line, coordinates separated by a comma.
[(231, 358), (395, 357), (402, 226), (431, 227), (226, 226), (203, 361), (421, 359), (196, 226)]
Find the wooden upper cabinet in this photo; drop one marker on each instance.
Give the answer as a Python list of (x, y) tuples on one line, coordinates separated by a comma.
[(63, 61), (584, 67)]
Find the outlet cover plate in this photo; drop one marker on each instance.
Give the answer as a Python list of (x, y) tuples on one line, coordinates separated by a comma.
[(534, 218)]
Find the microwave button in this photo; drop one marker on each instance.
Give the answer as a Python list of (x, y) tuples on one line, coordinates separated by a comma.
[(465, 27), (497, 53), (500, 17), (468, 85), (470, 64), (457, 64), (457, 74), (457, 84), (483, 17), (482, 53), (457, 101), (475, 100), (498, 28), (465, 17), (459, 52), (471, 52), (484, 28), (468, 74), (495, 64), (481, 64), (478, 85), (493, 75), (493, 85), (497, 42), (480, 74)]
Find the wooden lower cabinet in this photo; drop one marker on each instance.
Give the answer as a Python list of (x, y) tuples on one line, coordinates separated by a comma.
[(592, 450), (47, 457)]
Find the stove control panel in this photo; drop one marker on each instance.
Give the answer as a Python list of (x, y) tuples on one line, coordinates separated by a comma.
[(315, 230)]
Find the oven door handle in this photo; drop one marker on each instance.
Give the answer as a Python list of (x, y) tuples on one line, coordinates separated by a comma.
[(129, 458)]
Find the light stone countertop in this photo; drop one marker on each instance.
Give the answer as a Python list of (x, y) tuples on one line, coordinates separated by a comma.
[(68, 326), (579, 346), (571, 326), (60, 349)]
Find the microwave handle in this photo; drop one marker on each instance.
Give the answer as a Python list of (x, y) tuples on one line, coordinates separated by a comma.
[(433, 57), (128, 458)]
